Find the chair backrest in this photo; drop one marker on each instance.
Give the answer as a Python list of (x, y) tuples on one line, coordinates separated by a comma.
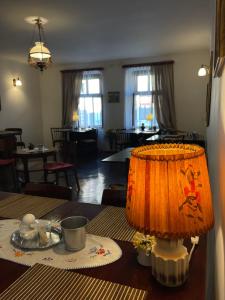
[(57, 135), (122, 138), (114, 197), (18, 131), (48, 190), (174, 138), (68, 151)]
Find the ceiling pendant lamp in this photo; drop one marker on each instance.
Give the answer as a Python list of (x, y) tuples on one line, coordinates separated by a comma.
[(39, 55)]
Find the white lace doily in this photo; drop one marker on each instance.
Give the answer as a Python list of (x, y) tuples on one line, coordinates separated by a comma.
[(98, 251)]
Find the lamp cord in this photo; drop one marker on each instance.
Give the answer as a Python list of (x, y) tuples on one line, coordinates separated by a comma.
[(194, 241)]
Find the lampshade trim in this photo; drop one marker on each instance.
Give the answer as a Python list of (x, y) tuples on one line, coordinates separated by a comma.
[(195, 151), (171, 235)]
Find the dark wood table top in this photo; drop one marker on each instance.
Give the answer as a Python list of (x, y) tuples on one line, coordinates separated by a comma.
[(126, 270), (25, 153), (74, 129), (120, 156), (176, 138)]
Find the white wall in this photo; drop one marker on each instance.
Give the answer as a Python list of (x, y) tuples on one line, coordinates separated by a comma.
[(190, 92), (216, 159), (21, 106)]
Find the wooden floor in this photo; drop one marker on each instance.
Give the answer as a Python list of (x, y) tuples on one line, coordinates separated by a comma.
[(94, 176)]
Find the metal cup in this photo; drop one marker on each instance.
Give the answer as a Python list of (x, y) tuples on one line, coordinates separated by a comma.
[(74, 234)]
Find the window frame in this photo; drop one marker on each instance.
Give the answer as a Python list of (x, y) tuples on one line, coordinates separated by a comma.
[(150, 92), (93, 95)]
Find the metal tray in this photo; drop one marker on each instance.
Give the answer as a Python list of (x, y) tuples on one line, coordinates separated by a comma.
[(54, 237)]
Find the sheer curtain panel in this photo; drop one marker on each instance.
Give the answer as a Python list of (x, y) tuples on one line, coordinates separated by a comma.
[(71, 88), (163, 95), (130, 84)]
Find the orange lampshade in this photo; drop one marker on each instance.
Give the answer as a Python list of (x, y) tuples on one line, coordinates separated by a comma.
[(168, 193)]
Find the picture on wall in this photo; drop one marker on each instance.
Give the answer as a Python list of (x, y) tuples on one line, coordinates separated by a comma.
[(113, 97), (219, 58)]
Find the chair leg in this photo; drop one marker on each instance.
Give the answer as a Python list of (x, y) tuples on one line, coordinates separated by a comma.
[(15, 179), (77, 181), (45, 175), (66, 177), (57, 178)]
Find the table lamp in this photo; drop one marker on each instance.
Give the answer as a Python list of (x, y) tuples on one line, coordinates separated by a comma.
[(169, 197), (149, 118), (75, 118)]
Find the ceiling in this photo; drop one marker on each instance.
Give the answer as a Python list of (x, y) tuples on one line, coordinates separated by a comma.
[(95, 30)]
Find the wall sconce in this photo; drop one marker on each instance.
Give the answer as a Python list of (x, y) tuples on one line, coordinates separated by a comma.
[(17, 82), (203, 71)]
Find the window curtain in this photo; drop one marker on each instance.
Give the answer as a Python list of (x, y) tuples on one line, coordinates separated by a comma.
[(130, 86), (163, 95), (71, 87)]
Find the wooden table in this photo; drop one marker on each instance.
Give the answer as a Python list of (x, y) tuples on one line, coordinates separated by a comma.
[(119, 157), (126, 270), (123, 158), (25, 155), (199, 140)]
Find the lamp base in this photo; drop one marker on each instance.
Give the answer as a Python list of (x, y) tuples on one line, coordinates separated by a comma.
[(170, 262)]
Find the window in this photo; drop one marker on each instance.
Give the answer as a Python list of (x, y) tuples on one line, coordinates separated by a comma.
[(143, 111), (90, 101), (139, 102)]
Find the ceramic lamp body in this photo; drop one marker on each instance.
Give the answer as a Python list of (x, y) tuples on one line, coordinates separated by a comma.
[(170, 262)]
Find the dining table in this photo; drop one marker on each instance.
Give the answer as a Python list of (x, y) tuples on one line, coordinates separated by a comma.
[(126, 270), (25, 155), (119, 157)]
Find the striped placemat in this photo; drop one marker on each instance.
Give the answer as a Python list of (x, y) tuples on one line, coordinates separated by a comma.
[(42, 282), (111, 222), (16, 206)]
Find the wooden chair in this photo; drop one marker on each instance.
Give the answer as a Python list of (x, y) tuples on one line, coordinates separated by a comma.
[(48, 190), (10, 165), (114, 197), (87, 141), (122, 139), (58, 136), (19, 131), (174, 138), (65, 166)]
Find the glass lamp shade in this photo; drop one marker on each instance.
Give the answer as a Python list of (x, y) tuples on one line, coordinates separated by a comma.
[(17, 82), (168, 193), (39, 56), (203, 71)]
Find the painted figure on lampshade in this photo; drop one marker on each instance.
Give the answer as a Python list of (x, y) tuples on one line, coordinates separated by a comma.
[(191, 189)]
